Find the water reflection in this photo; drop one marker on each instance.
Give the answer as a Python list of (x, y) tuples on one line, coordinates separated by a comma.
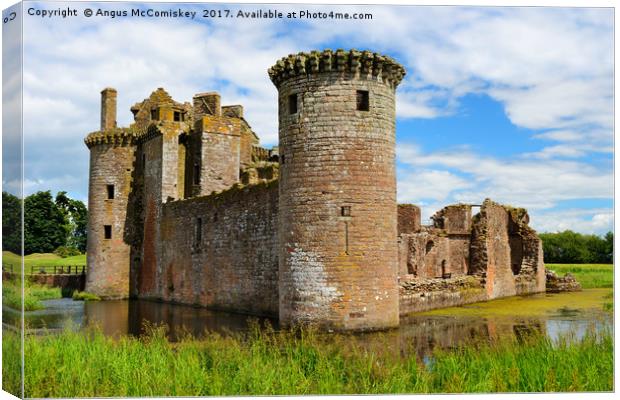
[(420, 334)]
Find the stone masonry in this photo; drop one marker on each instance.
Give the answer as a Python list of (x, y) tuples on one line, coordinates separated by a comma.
[(185, 206)]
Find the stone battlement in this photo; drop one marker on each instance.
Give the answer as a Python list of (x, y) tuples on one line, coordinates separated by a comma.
[(350, 61), (115, 136)]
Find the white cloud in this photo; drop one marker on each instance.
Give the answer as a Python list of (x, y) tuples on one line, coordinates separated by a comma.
[(535, 184), (427, 184), (596, 221)]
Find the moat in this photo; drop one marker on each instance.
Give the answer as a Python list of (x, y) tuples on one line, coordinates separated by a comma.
[(555, 315)]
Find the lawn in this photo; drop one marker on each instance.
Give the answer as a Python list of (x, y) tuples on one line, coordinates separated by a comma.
[(589, 275), (41, 260)]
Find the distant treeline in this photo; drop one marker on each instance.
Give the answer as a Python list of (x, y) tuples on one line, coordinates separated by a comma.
[(50, 224), (572, 247)]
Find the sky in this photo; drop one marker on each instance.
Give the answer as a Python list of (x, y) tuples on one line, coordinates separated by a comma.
[(513, 104)]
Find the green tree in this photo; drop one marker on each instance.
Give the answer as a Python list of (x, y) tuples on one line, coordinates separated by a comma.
[(45, 226), (609, 247), (11, 223), (76, 216), (572, 247)]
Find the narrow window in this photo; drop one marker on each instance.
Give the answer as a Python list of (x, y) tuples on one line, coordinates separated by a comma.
[(198, 232), (107, 231), (177, 116), (154, 114), (345, 211), (292, 103), (143, 161), (362, 100), (110, 192), (196, 174)]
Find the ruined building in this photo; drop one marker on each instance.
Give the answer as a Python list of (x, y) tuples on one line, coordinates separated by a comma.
[(185, 206)]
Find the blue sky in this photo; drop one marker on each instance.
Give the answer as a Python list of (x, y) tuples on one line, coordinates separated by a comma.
[(515, 104)]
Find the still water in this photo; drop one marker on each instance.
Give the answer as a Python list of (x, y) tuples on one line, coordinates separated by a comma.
[(554, 315)]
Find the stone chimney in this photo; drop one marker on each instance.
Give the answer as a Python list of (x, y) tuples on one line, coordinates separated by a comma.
[(234, 111), (108, 109), (206, 104)]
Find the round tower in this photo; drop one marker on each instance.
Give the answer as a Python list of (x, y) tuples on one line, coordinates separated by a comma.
[(112, 152), (337, 209)]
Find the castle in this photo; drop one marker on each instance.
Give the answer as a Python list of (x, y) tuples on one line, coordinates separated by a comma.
[(185, 206)]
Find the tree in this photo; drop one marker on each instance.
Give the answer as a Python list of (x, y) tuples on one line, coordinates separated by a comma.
[(76, 216), (11, 223), (609, 247), (572, 247), (45, 226)]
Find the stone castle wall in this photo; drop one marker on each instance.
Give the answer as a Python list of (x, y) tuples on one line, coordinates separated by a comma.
[(220, 251)]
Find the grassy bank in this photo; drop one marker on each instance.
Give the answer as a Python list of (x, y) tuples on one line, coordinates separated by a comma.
[(86, 365), (33, 294), (41, 259), (589, 275)]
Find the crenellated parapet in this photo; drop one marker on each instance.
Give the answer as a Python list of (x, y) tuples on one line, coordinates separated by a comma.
[(115, 136), (355, 62)]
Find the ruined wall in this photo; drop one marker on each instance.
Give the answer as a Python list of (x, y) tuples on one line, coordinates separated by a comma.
[(111, 163), (338, 233), (227, 260), (454, 219), (458, 254), (491, 234), (526, 253), (431, 253), (409, 218)]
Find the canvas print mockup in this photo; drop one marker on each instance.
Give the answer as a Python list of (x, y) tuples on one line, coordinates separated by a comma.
[(289, 199)]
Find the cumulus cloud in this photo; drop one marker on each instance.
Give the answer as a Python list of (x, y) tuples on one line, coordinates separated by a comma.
[(596, 221), (539, 185)]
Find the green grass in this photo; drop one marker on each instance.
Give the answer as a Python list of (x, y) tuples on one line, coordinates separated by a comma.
[(85, 296), (41, 259), (78, 364), (33, 294), (589, 275)]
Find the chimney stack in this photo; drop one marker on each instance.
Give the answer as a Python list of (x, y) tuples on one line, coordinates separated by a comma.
[(206, 104), (108, 109)]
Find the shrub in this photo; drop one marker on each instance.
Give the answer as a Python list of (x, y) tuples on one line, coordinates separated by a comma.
[(66, 251)]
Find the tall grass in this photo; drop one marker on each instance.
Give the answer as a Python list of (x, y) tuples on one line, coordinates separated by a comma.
[(75, 364), (589, 275), (33, 294)]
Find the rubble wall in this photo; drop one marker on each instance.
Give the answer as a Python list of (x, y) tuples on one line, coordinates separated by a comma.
[(427, 294)]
